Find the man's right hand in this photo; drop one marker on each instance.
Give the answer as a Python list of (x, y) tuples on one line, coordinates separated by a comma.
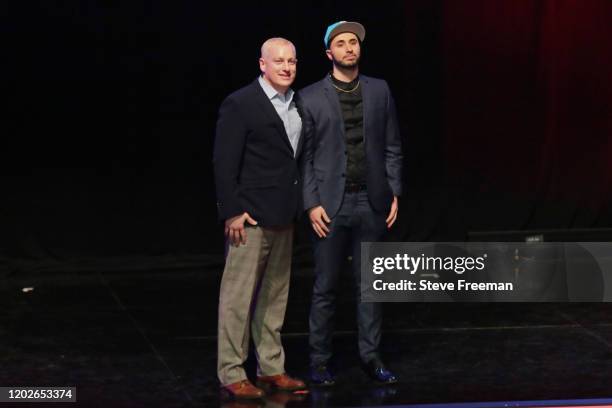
[(319, 220), (234, 228)]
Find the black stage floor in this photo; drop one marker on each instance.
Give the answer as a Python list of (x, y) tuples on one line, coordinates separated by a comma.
[(145, 337)]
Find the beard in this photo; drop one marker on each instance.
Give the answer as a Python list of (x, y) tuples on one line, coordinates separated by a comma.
[(347, 65)]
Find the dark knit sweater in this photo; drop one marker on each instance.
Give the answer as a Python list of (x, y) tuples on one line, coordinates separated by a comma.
[(351, 105)]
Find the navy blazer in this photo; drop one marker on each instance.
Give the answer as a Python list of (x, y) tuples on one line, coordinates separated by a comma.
[(323, 161), (254, 163)]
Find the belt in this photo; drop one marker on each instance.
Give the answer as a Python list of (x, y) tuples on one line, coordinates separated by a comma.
[(354, 187)]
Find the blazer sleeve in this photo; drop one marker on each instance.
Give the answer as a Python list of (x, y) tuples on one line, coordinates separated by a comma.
[(230, 138), (310, 189), (393, 147)]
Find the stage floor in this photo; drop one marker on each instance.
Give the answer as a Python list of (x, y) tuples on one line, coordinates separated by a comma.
[(146, 337)]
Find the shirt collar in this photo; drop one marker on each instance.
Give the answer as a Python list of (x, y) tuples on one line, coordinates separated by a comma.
[(271, 92)]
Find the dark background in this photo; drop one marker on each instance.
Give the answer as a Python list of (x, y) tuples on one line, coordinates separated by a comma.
[(111, 107)]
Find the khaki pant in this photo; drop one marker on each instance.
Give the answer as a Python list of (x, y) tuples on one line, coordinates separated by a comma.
[(253, 295)]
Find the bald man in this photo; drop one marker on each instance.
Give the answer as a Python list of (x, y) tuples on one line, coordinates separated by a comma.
[(257, 144)]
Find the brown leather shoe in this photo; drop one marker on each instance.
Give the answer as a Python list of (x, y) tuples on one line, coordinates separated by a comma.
[(281, 382), (243, 390)]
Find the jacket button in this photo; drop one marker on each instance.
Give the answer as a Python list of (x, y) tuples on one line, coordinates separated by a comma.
[(343, 175), (345, 152), (295, 182)]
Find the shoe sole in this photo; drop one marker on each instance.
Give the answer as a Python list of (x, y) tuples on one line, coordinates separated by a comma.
[(269, 386), (322, 385), (230, 396)]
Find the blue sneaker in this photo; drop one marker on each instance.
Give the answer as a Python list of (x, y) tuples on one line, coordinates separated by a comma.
[(321, 376), (378, 372)]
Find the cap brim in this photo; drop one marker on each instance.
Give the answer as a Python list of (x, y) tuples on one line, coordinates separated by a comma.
[(348, 27)]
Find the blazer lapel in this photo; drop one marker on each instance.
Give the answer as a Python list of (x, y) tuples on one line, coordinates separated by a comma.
[(298, 105), (365, 97), (266, 106), (334, 102)]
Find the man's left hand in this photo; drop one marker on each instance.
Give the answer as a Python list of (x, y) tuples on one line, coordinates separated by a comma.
[(392, 213)]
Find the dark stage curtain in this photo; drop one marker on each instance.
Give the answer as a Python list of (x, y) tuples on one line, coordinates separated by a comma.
[(527, 119), (504, 104)]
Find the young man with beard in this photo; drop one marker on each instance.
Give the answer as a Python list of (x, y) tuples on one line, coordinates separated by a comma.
[(351, 166), (258, 196)]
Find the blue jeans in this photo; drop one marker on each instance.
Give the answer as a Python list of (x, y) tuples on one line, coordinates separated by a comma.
[(355, 222)]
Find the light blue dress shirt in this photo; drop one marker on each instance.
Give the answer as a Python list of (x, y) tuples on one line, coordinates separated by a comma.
[(286, 109)]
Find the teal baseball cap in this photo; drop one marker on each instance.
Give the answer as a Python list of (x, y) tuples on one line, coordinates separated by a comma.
[(343, 27)]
